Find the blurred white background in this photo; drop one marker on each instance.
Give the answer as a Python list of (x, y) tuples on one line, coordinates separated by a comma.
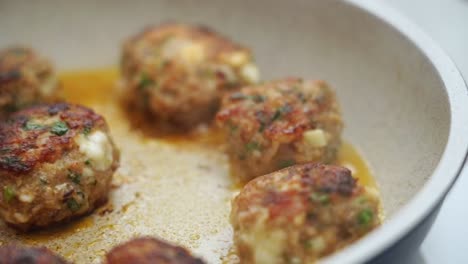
[(446, 21)]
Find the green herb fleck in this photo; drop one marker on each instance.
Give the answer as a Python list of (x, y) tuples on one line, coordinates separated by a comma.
[(262, 127), (74, 176), (233, 128), (32, 126), (251, 146), (258, 98), (319, 197), (59, 128), (8, 193), (237, 96), (73, 205), (281, 111), (4, 150), (285, 163), (13, 162), (145, 81), (86, 130), (365, 217), (87, 162)]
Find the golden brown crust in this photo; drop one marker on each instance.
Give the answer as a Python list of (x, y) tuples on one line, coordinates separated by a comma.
[(56, 164), (27, 137), (178, 72), (25, 79), (266, 125), (13, 254), (148, 251), (306, 211)]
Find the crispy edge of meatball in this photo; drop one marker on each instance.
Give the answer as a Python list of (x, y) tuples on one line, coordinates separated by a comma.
[(190, 108), (277, 212), (35, 155), (15, 254), (26, 78), (280, 123), (148, 250), (19, 134)]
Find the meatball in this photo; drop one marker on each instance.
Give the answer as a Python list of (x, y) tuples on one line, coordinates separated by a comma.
[(278, 124), (301, 213), (148, 250), (56, 163), (13, 254), (178, 72), (25, 79)]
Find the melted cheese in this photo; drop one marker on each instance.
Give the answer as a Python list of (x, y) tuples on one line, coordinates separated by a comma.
[(97, 148), (250, 73), (315, 138)]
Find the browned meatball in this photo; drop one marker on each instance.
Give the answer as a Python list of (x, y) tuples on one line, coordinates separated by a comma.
[(301, 213), (25, 78), (179, 72), (13, 254), (56, 163), (280, 123), (150, 251)]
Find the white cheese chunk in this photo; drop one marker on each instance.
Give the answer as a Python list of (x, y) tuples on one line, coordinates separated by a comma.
[(192, 53), (237, 59), (250, 73), (315, 138), (97, 148), (26, 198)]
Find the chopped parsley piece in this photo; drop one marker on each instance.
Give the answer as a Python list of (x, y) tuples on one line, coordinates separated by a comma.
[(74, 176), (73, 205), (281, 111), (59, 128), (319, 197), (237, 96), (258, 98), (233, 128), (240, 96), (262, 127), (13, 163), (8, 193), (86, 130), (145, 81), (365, 217), (251, 146), (32, 126), (285, 163), (4, 150), (87, 162)]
